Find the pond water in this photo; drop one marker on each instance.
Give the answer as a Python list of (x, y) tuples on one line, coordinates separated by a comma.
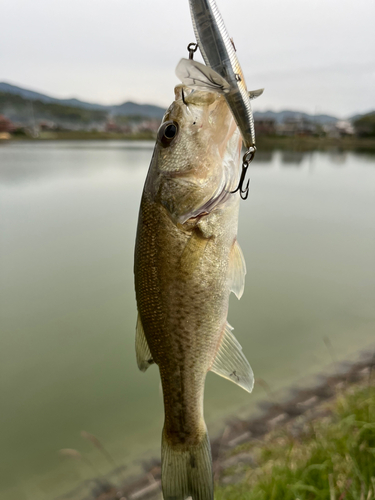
[(68, 215)]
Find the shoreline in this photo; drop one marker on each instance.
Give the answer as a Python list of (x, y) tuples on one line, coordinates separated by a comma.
[(229, 455), (264, 143)]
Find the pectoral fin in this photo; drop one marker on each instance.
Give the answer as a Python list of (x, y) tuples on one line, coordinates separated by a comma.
[(231, 363), (200, 77), (193, 252), (253, 94), (144, 358), (237, 270)]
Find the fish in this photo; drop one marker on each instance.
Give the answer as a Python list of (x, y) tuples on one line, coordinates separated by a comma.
[(222, 70), (187, 262)]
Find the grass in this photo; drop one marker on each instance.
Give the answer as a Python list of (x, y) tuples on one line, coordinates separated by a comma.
[(333, 458)]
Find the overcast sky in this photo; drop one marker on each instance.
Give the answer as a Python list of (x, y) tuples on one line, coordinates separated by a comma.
[(312, 55)]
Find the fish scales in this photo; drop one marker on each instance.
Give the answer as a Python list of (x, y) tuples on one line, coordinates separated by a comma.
[(187, 261), (187, 311)]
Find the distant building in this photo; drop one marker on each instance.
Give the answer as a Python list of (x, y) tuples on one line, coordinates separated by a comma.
[(344, 127), (111, 126), (339, 129), (296, 126), (265, 126), (149, 126), (117, 127), (6, 125), (47, 125)]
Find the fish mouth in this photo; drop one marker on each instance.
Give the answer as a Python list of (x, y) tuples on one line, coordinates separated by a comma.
[(205, 186)]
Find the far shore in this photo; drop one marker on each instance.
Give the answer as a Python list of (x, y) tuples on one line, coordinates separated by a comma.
[(264, 142)]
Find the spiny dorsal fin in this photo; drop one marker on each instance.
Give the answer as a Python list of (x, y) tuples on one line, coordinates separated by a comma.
[(144, 358), (200, 77), (237, 270), (231, 363), (253, 94)]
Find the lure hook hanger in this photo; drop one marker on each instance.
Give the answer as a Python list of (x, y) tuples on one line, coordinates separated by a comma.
[(192, 47), (246, 160)]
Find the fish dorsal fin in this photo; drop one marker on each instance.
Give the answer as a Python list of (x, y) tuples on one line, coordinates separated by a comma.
[(231, 363), (144, 358), (253, 94), (200, 77), (237, 270)]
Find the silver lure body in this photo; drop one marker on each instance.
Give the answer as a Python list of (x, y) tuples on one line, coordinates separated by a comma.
[(219, 53)]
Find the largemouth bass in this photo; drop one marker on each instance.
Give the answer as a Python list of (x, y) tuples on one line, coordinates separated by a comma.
[(187, 261), (223, 69)]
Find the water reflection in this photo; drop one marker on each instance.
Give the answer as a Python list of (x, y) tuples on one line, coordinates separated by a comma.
[(26, 162), (33, 162), (293, 158), (68, 221), (338, 158), (264, 157)]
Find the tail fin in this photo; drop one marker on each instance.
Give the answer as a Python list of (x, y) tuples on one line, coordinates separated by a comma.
[(187, 473)]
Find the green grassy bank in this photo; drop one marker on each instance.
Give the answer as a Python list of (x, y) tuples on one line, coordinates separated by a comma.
[(331, 457), (317, 445)]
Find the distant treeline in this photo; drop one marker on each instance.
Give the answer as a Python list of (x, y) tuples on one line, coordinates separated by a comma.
[(25, 112), (19, 109), (365, 125)]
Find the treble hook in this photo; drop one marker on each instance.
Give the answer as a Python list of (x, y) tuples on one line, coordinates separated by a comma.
[(192, 47), (246, 160)]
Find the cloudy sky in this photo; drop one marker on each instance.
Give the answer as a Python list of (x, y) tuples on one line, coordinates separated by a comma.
[(312, 55)]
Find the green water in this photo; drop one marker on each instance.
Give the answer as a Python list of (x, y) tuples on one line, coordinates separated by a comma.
[(68, 214)]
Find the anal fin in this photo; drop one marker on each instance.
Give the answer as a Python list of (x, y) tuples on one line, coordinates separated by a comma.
[(237, 270), (230, 361), (143, 353)]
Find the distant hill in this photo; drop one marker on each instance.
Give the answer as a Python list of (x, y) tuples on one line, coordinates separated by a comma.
[(282, 116), (133, 109), (27, 111), (148, 110), (125, 109)]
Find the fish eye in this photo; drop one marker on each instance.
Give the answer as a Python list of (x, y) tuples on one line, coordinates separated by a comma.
[(167, 132), (170, 131)]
